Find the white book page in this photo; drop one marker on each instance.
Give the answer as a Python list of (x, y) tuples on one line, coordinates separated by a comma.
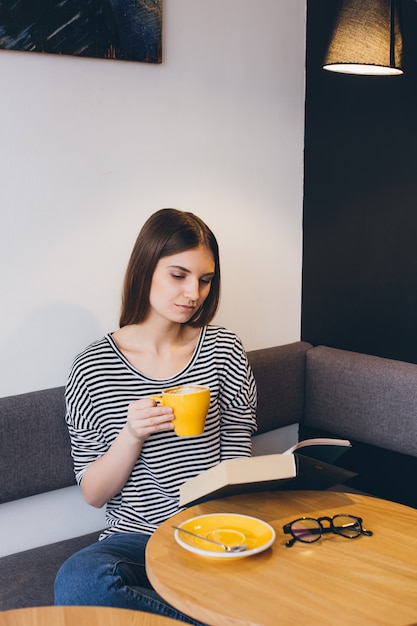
[(319, 441)]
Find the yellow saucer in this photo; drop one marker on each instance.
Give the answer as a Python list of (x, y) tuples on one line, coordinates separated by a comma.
[(227, 528)]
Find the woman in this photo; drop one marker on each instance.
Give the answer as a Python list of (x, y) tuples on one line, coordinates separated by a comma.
[(126, 454)]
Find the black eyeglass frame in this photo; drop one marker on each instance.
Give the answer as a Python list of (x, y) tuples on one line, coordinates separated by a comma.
[(321, 530)]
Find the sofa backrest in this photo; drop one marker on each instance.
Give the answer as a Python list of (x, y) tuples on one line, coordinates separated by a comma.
[(279, 373), (34, 444), (346, 394), (35, 452), (361, 397)]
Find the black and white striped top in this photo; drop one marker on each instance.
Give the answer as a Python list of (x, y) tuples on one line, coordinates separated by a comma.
[(100, 387)]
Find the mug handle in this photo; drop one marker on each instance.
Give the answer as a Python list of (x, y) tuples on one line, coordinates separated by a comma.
[(158, 400)]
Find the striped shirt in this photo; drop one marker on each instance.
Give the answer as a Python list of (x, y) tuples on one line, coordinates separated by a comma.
[(100, 387)]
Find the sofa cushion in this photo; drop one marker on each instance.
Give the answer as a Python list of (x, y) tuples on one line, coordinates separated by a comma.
[(279, 374), (34, 448), (365, 398), (27, 578)]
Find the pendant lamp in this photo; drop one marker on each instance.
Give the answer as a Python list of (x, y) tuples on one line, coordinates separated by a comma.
[(366, 39)]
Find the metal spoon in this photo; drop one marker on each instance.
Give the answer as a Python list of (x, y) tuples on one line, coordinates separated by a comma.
[(237, 548)]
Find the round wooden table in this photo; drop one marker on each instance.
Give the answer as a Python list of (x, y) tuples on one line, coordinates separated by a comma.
[(363, 581), (81, 616)]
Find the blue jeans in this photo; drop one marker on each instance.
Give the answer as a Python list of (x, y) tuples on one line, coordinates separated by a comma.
[(112, 572)]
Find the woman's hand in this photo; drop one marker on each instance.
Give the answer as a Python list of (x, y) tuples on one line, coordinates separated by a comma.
[(145, 417), (105, 477)]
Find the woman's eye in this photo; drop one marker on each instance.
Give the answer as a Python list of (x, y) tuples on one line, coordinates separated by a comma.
[(177, 276), (205, 281)]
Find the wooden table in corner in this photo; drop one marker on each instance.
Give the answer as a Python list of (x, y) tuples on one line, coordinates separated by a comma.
[(81, 616), (335, 580)]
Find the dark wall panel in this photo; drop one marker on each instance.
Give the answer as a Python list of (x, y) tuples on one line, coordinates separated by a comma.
[(360, 200)]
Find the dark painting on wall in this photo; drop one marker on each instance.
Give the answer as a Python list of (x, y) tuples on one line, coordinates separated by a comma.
[(128, 30)]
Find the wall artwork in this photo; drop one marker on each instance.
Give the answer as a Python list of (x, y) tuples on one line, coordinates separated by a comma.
[(128, 30)]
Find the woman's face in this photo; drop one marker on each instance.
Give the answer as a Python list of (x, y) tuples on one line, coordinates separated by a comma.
[(180, 284)]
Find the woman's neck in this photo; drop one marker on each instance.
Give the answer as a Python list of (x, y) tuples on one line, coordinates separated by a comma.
[(158, 353)]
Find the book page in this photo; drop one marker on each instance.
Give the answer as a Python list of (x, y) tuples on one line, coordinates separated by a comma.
[(318, 441)]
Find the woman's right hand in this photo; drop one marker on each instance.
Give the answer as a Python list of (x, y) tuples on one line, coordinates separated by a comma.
[(105, 477), (145, 417)]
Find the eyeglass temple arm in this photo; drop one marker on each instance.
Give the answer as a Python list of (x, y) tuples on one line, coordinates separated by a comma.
[(362, 531), (332, 528), (290, 542), (305, 531)]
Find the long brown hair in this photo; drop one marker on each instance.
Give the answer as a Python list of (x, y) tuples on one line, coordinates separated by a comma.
[(166, 232)]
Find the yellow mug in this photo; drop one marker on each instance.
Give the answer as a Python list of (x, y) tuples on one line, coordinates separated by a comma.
[(190, 404)]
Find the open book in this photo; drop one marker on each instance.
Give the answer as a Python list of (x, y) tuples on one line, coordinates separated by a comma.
[(303, 466)]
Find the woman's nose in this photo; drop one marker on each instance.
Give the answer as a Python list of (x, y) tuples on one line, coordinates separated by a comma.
[(192, 290)]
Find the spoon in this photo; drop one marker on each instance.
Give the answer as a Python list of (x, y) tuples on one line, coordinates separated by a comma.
[(237, 548)]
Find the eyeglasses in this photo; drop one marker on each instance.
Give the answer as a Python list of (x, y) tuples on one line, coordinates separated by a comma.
[(309, 529)]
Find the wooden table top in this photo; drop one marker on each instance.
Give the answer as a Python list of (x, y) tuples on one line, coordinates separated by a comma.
[(81, 616), (368, 580)]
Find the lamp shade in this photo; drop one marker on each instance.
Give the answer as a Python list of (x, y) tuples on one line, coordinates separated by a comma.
[(366, 38)]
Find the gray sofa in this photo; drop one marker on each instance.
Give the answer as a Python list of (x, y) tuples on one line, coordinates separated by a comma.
[(370, 400)]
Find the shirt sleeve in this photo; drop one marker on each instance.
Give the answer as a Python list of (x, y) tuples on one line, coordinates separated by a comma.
[(237, 401), (87, 442)]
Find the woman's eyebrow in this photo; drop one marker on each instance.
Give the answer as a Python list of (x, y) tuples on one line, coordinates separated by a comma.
[(187, 271), (179, 267)]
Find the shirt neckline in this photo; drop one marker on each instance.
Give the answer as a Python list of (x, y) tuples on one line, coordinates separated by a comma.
[(137, 372)]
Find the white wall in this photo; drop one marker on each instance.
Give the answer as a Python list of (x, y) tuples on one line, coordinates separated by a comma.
[(91, 148)]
